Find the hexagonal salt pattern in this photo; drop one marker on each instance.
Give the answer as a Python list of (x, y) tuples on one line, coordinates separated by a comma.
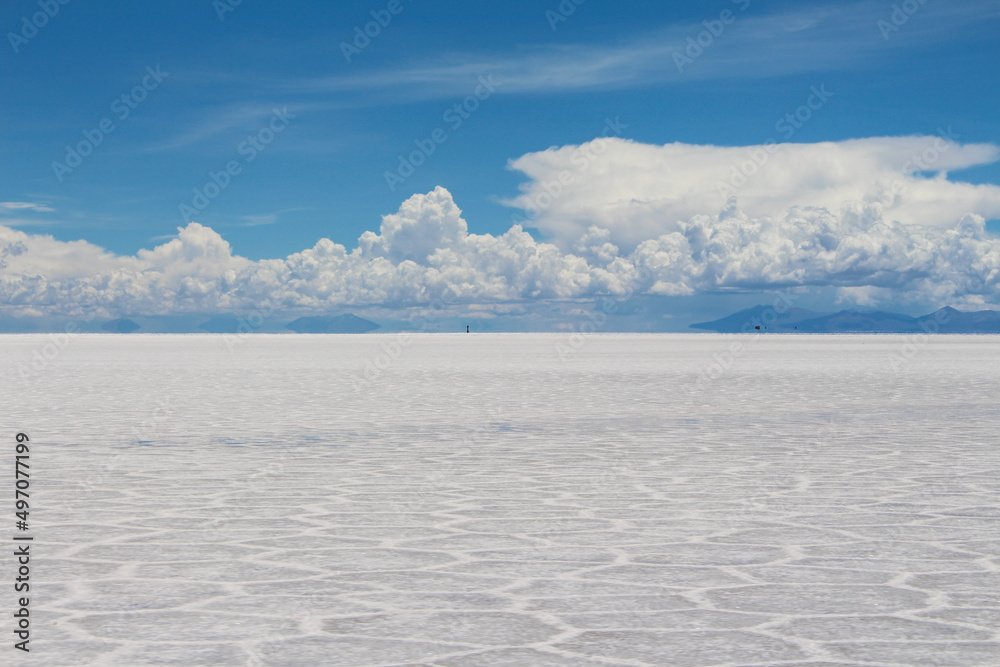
[(486, 501)]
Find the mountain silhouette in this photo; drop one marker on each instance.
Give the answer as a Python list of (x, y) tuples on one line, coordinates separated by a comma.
[(347, 323), (797, 320), (121, 325), (228, 324)]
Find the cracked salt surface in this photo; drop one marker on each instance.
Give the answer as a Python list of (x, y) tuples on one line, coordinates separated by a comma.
[(485, 502)]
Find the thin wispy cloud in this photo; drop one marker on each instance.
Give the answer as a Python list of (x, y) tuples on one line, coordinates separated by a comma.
[(27, 222), (217, 122), (751, 46), (12, 214), (261, 219), (25, 206)]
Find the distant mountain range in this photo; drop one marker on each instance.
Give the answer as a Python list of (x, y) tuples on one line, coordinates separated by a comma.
[(219, 324), (340, 324), (798, 320), (229, 324), (791, 320), (121, 325)]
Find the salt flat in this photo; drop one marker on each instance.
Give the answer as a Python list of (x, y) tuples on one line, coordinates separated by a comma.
[(509, 499)]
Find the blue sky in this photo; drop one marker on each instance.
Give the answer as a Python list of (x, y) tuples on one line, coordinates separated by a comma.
[(556, 79)]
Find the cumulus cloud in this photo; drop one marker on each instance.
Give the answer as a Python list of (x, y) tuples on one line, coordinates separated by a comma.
[(641, 191), (422, 225), (656, 236)]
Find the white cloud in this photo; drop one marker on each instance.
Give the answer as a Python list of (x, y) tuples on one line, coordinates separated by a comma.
[(640, 218), (25, 206), (750, 45), (640, 191), (197, 251), (422, 225)]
